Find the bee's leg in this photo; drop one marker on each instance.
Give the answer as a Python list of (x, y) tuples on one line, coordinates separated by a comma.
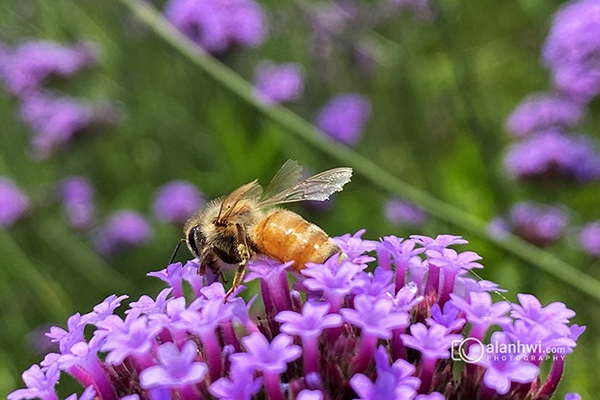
[(244, 253)]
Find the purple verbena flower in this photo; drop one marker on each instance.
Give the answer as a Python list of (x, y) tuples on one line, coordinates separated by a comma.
[(240, 385), (343, 118), (310, 395), (176, 201), (175, 369), (555, 316), (572, 48), (40, 384), (551, 155), (275, 83), (501, 368), (173, 276), (393, 382), (499, 228), (401, 212), (194, 345), (482, 312), (124, 229), (375, 318), (13, 203), (539, 112), (77, 195), (589, 239), (54, 121), (354, 247), (267, 357), (311, 322), (433, 343), (438, 243), (537, 223), (25, 67), (449, 317), (88, 394), (335, 279), (136, 341), (217, 25)]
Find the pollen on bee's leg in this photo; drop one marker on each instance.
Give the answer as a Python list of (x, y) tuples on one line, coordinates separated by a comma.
[(342, 257)]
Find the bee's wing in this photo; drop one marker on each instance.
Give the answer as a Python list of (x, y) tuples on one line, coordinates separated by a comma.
[(317, 187), (229, 204), (288, 175)]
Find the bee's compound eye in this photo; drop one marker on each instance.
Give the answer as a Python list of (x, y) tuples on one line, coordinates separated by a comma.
[(195, 241)]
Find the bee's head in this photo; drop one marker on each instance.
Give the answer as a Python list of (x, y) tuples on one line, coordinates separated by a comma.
[(195, 240)]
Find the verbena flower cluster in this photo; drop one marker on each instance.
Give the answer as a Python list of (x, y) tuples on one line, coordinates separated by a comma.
[(537, 223), (344, 117), (13, 202), (174, 202), (281, 83), (340, 30), (548, 151), (54, 119), (402, 212), (77, 196), (218, 25), (416, 327)]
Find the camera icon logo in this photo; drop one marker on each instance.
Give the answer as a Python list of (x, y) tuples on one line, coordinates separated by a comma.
[(469, 350)]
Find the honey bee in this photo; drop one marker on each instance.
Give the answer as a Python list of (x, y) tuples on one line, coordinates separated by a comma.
[(235, 229)]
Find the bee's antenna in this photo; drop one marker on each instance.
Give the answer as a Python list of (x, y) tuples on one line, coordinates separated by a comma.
[(176, 250)]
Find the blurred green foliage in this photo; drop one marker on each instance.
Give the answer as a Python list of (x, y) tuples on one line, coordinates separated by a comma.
[(440, 94)]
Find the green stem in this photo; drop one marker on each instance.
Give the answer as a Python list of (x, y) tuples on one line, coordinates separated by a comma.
[(42, 285), (363, 166), (478, 127)]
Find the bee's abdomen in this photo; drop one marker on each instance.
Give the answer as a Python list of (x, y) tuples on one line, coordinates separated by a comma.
[(286, 236)]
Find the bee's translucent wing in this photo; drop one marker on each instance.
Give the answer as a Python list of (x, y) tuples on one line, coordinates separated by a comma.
[(289, 174), (317, 187), (250, 190)]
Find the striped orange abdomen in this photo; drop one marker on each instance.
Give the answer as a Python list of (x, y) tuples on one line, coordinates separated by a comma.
[(286, 236)]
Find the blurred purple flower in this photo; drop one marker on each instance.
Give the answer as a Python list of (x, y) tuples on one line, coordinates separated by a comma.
[(572, 49), (124, 229), (56, 120), (176, 201), (498, 228), (402, 212), (589, 238), (77, 195), (13, 202), (25, 67), (278, 83), (216, 25), (423, 10), (344, 117), (551, 155), (538, 223), (538, 112)]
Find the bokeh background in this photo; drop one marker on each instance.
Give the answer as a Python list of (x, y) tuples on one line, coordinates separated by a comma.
[(436, 82)]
